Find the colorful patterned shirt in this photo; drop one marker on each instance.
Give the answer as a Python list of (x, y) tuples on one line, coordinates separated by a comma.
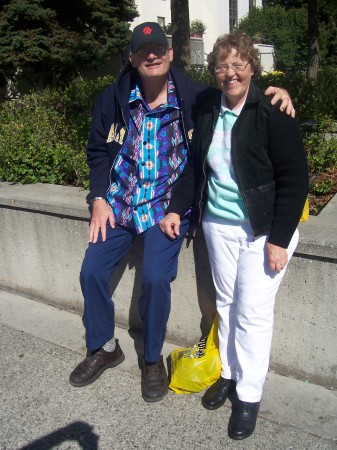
[(151, 160)]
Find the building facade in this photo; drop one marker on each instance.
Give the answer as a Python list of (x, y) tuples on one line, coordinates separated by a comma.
[(219, 16)]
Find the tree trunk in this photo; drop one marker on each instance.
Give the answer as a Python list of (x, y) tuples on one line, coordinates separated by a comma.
[(180, 19), (313, 32)]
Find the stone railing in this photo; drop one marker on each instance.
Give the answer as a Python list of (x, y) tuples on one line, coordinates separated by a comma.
[(44, 237)]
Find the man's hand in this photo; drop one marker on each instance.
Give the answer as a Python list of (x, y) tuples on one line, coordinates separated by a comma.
[(283, 95), (170, 225), (278, 257), (101, 213)]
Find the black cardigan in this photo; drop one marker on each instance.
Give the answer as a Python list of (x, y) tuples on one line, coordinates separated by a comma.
[(269, 161)]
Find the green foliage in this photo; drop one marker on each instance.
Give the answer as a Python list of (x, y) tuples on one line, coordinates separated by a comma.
[(79, 101), (317, 103), (285, 25), (285, 29), (321, 147), (311, 101), (201, 74), (197, 27), (53, 41), (322, 188), (43, 135), (36, 143)]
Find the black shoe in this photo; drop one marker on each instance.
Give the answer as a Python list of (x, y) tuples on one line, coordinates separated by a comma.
[(94, 365), (154, 381), (243, 420), (217, 394)]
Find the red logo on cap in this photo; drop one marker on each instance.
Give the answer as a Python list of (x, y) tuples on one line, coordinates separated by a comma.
[(147, 30)]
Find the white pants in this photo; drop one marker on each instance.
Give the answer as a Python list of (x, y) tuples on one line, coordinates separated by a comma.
[(245, 296)]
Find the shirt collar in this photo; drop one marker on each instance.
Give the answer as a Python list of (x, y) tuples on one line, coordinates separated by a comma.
[(172, 101), (224, 108)]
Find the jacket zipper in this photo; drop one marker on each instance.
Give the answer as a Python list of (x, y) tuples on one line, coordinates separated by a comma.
[(238, 179), (113, 163), (204, 173), (183, 126)]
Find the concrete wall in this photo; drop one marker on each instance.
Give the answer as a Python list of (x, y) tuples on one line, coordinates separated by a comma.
[(44, 237)]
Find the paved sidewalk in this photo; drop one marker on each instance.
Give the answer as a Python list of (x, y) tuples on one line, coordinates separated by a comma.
[(40, 345)]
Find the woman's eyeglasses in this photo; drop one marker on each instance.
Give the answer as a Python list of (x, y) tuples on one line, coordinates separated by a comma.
[(223, 68)]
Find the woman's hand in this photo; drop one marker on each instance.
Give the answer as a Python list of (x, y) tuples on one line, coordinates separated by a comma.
[(283, 95), (101, 213), (278, 257), (170, 225)]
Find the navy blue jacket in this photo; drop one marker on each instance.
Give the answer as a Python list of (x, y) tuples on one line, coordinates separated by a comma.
[(111, 118), (269, 162)]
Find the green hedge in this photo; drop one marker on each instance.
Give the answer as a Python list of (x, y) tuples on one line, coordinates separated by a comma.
[(311, 102), (43, 135), (314, 104)]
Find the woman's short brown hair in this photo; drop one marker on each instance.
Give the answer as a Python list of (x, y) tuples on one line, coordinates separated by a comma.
[(241, 43)]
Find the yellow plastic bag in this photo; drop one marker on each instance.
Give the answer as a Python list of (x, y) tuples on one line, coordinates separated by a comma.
[(193, 369), (305, 212)]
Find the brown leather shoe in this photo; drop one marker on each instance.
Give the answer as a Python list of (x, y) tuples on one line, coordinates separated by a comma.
[(93, 366), (154, 381)]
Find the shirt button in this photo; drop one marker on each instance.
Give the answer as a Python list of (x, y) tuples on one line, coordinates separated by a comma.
[(143, 163), (144, 143)]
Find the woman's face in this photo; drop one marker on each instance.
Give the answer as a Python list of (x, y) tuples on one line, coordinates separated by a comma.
[(233, 75)]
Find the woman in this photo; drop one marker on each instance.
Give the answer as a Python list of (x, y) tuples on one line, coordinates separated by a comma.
[(248, 177)]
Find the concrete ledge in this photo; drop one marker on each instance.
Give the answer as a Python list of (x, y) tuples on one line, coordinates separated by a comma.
[(45, 229)]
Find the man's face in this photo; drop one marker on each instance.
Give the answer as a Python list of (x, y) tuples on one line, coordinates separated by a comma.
[(152, 60)]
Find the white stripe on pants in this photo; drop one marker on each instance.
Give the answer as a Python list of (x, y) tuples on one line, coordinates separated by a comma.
[(245, 296)]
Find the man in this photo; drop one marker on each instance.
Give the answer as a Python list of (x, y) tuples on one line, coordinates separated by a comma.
[(137, 149)]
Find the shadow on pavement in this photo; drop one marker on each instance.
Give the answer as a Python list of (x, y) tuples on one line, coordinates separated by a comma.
[(80, 432)]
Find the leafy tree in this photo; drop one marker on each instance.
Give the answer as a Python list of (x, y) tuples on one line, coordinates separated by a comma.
[(52, 41), (180, 19), (322, 30), (285, 29)]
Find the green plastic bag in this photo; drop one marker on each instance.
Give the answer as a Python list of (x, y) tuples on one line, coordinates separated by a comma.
[(194, 369)]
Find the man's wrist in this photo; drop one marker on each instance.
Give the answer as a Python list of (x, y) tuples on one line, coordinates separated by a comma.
[(94, 199)]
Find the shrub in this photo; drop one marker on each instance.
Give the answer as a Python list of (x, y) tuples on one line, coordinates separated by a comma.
[(36, 143), (79, 101), (321, 149), (43, 135), (311, 101), (201, 74), (316, 105)]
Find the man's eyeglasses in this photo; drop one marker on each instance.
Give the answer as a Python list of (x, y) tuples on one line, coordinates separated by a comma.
[(223, 68), (145, 52)]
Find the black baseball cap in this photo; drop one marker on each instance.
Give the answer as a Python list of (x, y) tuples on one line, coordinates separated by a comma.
[(147, 32)]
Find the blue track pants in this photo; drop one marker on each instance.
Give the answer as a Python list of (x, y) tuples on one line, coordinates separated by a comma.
[(159, 269)]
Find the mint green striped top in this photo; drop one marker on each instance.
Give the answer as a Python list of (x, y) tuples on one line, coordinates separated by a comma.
[(224, 198)]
